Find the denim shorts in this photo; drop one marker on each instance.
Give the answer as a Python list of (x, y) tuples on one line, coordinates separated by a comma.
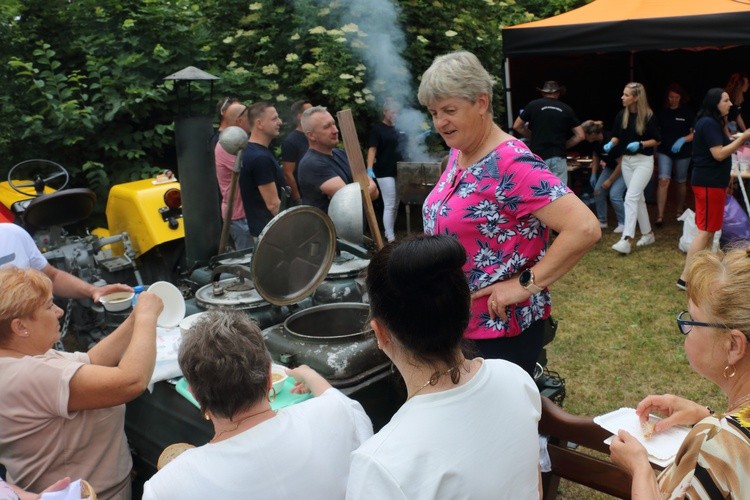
[(680, 165)]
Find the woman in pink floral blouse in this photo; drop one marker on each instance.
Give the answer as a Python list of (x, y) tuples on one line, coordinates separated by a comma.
[(499, 200)]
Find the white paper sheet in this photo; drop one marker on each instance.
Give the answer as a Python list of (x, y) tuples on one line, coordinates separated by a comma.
[(167, 347), (72, 492), (661, 447)]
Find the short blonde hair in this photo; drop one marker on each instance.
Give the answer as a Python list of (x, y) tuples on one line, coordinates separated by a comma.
[(22, 292), (458, 74), (719, 283)]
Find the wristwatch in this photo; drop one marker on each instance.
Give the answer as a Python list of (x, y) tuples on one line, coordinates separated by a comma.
[(526, 279)]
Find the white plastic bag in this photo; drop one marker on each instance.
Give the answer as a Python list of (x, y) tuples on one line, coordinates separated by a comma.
[(690, 230)]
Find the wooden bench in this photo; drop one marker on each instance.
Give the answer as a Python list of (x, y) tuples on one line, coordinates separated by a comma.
[(572, 464)]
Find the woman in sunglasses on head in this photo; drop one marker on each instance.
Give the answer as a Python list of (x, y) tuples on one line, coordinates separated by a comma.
[(712, 461)]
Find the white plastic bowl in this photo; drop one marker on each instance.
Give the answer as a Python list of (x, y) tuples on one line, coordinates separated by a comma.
[(117, 301), (189, 321), (174, 304), (278, 376)]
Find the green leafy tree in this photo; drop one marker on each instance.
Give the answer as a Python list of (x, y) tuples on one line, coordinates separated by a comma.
[(84, 78)]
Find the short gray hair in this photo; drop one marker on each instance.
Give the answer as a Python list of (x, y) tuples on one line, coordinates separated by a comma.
[(308, 114), (458, 74), (225, 361)]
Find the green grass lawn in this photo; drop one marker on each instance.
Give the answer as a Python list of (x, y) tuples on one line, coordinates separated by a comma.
[(617, 339)]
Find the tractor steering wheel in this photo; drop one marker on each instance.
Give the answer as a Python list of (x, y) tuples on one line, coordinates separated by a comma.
[(41, 172)]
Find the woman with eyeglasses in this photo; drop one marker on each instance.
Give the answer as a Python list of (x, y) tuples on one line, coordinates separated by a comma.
[(714, 459), (712, 165), (637, 131)]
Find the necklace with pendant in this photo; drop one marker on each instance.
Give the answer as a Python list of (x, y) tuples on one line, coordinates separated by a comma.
[(436, 377)]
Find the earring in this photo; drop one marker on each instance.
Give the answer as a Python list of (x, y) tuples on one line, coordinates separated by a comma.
[(729, 375), (205, 415), (25, 334), (272, 395)]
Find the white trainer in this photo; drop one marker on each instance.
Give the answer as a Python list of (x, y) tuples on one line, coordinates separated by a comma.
[(646, 239), (602, 225), (622, 246), (619, 229)]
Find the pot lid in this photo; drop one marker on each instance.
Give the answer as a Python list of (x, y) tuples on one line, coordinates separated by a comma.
[(293, 255), (345, 210), (346, 264), (236, 293)]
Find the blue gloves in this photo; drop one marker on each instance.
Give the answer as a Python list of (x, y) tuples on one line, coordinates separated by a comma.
[(677, 146), (608, 147), (593, 180), (370, 172), (633, 147)]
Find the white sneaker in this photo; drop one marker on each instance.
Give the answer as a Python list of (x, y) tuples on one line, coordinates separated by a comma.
[(646, 239), (602, 225), (622, 246), (619, 229)]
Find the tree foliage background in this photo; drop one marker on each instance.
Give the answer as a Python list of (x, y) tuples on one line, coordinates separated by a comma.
[(83, 79)]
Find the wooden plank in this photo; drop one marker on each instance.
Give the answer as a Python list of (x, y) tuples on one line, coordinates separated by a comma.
[(359, 174)]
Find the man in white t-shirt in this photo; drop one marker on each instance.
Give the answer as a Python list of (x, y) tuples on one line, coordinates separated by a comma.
[(18, 249)]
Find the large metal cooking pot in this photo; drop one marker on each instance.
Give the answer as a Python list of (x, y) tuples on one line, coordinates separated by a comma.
[(415, 180), (334, 339)]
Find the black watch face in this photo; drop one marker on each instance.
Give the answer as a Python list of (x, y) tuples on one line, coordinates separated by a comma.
[(525, 278)]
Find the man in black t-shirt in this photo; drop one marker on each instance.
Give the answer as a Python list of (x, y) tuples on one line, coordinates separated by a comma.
[(261, 179), (324, 169), (293, 148), (551, 127)]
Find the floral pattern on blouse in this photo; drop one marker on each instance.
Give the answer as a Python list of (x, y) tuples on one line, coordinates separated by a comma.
[(489, 207)]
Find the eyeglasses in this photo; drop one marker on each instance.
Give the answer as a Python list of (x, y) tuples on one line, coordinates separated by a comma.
[(243, 112), (228, 101), (685, 323)]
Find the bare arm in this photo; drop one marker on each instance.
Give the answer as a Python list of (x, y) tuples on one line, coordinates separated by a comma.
[(371, 156), (332, 185), (308, 380), (740, 123), (577, 137), (100, 386), (271, 197), (626, 452), (617, 172), (71, 287), (721, 153), (578, 230), (288, 168), (520, 126)]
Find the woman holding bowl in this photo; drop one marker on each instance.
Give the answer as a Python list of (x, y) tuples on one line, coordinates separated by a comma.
[(637, 131), (301, 451), (63, 414), (712, 165), (713, 459), (498, 200), (461, 414)]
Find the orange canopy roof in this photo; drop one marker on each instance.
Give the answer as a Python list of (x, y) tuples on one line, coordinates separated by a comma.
[(632, 25), (600, 11)]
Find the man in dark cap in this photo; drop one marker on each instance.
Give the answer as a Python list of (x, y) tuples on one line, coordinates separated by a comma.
[(551, 127)]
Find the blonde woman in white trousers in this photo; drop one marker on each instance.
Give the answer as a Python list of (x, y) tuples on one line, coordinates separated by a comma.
[(637, 133)]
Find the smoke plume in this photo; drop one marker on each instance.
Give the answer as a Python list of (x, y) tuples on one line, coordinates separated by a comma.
[(389, 75)]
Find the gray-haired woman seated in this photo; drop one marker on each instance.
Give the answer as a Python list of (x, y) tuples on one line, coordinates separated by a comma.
[(301, 451)]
